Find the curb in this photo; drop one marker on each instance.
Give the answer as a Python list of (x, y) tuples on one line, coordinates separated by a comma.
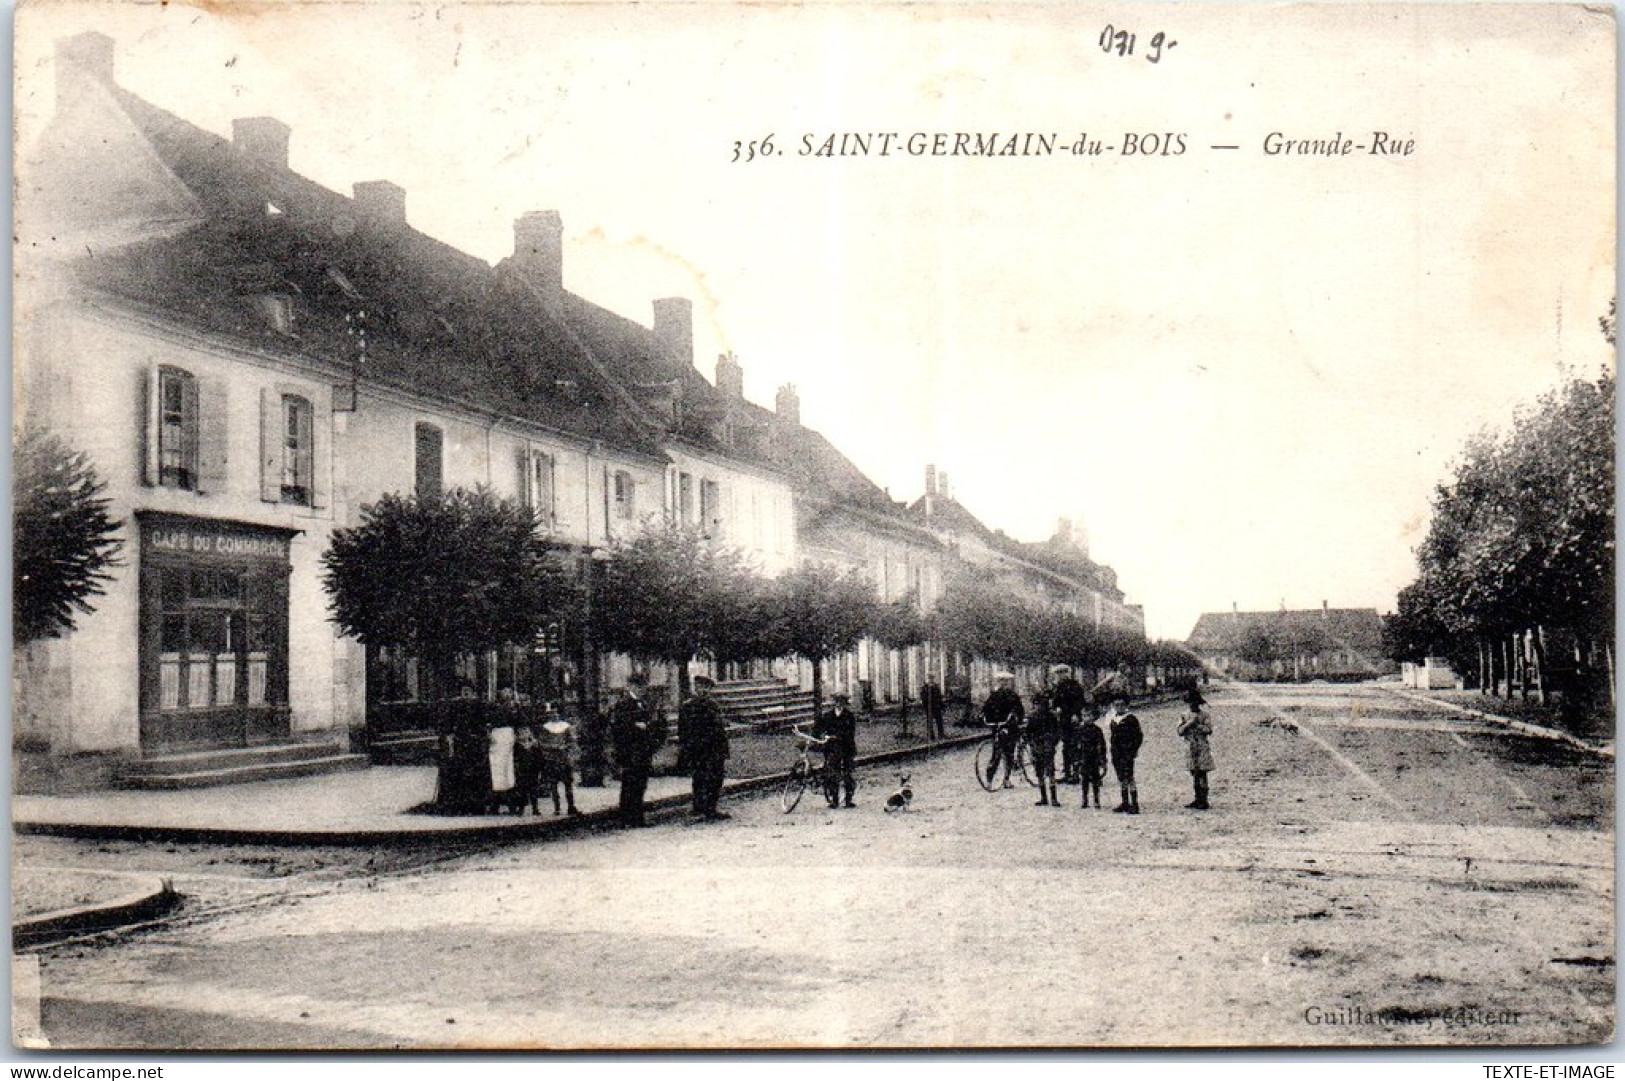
[(663, 808), (156, 897), (1535, 731)]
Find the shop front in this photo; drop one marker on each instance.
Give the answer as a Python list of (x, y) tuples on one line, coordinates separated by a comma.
[(214, 633)]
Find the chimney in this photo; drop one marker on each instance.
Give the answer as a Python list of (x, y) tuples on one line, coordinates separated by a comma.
[(730, 376), (1325, 613), (930, 480), (942, 484), (81, 59), (674, 332), (1063, 530), (262, 138), (787, 403), (380, 203), (538, 251)]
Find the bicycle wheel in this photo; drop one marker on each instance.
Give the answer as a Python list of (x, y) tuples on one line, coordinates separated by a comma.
[(794, 786), (1024, 763), (986, 756)]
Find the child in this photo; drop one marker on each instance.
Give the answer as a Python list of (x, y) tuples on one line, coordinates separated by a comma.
[(527, 769), (1126, 738), (1091, 758), (556, 746), (1197, 727), (1043, 734)]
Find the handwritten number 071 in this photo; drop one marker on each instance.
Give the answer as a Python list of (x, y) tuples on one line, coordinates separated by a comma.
[(1121, 42)]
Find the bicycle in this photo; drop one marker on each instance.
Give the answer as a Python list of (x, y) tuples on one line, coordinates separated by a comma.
[(987, 756), (805, 773)]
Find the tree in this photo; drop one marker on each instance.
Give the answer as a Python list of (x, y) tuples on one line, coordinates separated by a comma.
[(823, 613), (463, 573), (900, 624), (670, 595), (64, 541)]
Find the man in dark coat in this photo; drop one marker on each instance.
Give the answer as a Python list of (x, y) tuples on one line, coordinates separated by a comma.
[(1125, 738), (932, 704), (1004, 714), (636, 733), (1070, 701), (705, 735), (839, 728)]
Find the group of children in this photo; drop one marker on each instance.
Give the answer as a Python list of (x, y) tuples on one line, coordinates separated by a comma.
[(1058, 723), (529, 760)]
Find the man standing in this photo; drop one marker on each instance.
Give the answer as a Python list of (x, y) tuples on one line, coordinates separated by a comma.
[(636, 734), (1125, 738), (705, 735), (839, 728), (931, 703), (1070, 702), (1004, 714)]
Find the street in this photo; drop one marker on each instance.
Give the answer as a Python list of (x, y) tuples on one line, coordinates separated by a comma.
[(1374, 871)]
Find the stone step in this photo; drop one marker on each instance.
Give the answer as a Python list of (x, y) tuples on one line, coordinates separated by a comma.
[(270, 771)]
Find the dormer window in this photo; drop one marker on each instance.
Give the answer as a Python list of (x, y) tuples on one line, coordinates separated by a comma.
[(278, 311)]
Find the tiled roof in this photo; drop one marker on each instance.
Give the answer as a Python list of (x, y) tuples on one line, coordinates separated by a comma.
[(437, 320), (1359, 629)]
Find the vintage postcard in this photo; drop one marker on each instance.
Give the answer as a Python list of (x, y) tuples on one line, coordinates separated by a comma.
[(735, 526)]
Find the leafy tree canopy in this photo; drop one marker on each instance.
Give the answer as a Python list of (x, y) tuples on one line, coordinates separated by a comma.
[(64, 542)]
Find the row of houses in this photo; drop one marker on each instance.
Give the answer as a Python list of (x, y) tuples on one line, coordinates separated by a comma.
[(249, 358)]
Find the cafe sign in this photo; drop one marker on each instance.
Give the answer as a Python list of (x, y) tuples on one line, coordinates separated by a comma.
[(196, 537)]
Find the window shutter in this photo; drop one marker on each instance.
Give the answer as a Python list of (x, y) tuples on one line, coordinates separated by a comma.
[(321, 452), (211, 428), (149, 425), (526, 497), (271, 435), (551, 507)]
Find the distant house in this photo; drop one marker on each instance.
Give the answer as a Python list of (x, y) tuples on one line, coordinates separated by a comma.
[(1326, 643)]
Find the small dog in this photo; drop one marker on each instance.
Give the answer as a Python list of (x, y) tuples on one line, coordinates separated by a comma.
[(900, 799)]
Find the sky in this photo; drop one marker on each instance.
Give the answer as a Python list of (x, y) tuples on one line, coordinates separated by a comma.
[(1242, 373)]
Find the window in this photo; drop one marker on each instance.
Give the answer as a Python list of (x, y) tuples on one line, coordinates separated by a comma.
[(430, 468), (625, 493), (297, 445), (177, 428), (711, 508), (536, 484), (218, 628), (685, 498)]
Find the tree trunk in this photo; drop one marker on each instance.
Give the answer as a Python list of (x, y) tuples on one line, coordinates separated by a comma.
[(1608, 655), (818, 686), (1538, 651), (1483, 668)]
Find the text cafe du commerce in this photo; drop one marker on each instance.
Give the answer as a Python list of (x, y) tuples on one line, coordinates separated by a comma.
[(213, 633)]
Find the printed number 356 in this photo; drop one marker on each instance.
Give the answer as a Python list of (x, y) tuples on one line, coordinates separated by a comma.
[(756, 148)]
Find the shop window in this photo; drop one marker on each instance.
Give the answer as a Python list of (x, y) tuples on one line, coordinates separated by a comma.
[(297, 449), (215, 638), (177, 428), (430, 462)]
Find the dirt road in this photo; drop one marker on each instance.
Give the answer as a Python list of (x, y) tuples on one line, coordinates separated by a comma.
[(1373, 872)]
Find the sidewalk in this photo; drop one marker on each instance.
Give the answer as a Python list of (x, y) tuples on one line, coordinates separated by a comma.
[(1445, 699), (375, 805)]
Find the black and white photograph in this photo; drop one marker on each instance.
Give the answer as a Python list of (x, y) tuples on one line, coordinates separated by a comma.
[(720, 526)]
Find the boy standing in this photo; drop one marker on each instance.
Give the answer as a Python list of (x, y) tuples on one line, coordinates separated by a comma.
[(1126, 738), (1091, 758)]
